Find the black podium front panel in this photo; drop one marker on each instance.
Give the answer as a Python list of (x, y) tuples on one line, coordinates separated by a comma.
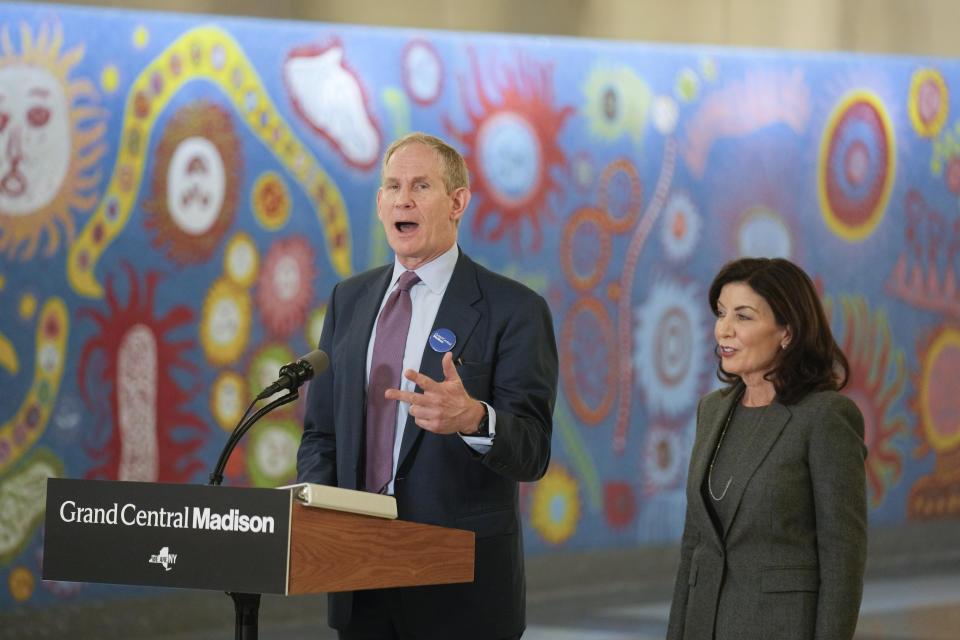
[(170, 535)]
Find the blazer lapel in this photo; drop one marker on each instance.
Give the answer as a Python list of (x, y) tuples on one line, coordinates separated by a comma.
[(764, 436), (457, 314), (714, 419)]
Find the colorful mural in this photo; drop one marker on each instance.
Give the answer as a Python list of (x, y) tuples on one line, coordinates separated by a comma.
[(178, 195)]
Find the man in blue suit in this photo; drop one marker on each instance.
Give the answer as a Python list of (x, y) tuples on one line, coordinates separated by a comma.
[(473, 406)]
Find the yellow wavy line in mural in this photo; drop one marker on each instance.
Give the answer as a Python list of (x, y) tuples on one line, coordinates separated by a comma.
[(8, 356), (19, 433), (204, 53)]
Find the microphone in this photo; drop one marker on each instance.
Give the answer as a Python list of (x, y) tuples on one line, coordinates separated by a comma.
[(294, 374)]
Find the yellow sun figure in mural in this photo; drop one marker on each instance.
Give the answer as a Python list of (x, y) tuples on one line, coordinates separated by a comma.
[(556, 506), (50, 141)]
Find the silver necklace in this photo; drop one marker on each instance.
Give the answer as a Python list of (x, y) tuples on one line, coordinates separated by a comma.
[(717, 450)]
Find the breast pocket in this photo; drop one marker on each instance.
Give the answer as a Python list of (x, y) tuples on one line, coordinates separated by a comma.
[(475, 377)]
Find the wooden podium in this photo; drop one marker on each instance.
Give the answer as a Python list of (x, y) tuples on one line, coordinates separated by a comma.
[(243, 541), (337, 551)]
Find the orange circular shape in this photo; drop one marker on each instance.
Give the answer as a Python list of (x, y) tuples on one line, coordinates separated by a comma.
[(271, 201), (588, 365), (621, 224), (679, 225), (141, 105), (939, 403), (857, 165), (22, 584), (574, 228), (929, 102)]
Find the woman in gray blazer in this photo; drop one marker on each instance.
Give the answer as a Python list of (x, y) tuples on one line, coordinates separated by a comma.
[(775, 538)]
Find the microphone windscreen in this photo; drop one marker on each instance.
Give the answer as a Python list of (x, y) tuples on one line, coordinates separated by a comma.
[(318, 361)]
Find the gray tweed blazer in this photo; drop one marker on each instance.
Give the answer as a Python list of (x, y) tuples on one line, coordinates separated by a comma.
[(790, 563)]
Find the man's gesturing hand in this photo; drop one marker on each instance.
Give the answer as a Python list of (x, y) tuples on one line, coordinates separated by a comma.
[(443, 407)]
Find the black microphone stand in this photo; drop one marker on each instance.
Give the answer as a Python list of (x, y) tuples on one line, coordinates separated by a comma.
[(216, 477), (245, 605)]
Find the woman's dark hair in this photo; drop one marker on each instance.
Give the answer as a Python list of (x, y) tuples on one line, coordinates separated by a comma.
[(812, 361)]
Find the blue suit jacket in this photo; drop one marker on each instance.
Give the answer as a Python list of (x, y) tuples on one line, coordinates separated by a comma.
[(505, 341)]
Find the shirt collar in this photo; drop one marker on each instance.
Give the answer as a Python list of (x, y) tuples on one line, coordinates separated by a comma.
[(435, 274)]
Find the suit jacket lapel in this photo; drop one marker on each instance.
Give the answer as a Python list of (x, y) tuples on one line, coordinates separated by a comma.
[(765, 434), (457, 314), (702, 453)]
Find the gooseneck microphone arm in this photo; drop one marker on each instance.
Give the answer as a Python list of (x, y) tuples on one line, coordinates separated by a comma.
[(216, 477)]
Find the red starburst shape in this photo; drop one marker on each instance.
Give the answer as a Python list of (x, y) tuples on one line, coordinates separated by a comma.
[(285, 286), (512, 148), (150, 435)]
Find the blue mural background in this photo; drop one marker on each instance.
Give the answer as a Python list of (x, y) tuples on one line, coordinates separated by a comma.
[(178, 195)]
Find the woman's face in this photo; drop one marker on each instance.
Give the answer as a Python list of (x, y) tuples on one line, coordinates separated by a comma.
[(747, 333)]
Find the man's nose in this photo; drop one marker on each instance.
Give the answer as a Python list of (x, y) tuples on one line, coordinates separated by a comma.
[(404, 197)]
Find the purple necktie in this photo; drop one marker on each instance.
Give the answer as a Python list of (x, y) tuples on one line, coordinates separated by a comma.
[(385, 369)]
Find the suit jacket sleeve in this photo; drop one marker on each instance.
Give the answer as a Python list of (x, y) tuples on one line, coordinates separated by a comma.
[(522, 390), (838, 477)]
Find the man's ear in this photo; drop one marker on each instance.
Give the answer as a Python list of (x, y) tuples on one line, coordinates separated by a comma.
[(461, 198), (379, 198)]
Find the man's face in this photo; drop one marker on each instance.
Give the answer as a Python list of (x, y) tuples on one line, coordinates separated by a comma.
[(418, 215)]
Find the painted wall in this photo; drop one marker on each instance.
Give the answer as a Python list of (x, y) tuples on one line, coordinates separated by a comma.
[(178, 194)]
